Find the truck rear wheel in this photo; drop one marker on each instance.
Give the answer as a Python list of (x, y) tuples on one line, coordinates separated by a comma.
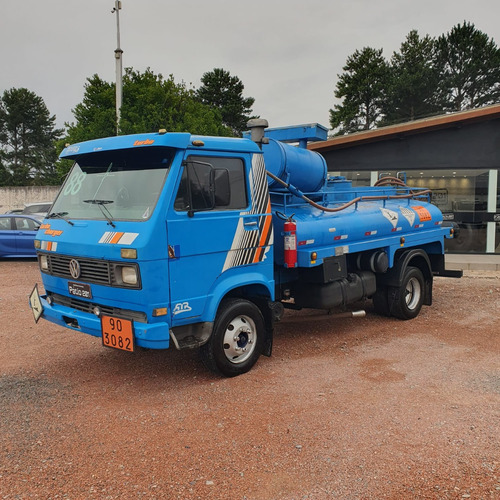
[(237, 338), (406, 300)]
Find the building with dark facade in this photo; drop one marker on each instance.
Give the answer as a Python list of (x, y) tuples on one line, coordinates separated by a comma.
[(456, 155)]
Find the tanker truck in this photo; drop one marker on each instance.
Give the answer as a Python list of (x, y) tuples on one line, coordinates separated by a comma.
[(202, 242)]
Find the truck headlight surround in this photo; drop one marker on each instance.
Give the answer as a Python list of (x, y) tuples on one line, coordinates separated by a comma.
[(129, 275), (126, 275)]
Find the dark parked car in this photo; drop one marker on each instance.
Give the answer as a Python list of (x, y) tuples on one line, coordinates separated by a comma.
[(38, 210), (17, 233)]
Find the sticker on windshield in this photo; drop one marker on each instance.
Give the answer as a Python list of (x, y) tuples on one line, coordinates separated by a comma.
[(118, 238)]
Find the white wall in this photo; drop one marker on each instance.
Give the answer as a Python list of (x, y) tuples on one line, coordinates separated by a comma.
[(15, 197)]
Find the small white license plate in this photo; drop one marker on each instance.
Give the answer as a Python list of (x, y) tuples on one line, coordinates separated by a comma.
[(79, 290)]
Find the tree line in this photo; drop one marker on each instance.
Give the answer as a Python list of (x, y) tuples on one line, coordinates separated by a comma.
[(458, 70), (30, 142), (427, 76)]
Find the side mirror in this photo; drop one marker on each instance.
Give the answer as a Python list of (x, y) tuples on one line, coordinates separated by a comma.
[(222, 190), (200, 186)]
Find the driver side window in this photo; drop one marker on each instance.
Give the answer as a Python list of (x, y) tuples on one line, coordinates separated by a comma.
[(197, 183)]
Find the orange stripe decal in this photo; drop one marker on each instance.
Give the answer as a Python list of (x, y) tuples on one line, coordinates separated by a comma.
[(116, 238), (263, 237)]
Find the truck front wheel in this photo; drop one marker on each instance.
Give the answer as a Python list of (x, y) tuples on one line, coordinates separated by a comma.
[(237, 338), (406, 300)]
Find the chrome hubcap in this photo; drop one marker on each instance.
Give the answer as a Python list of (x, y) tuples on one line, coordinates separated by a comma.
[(240, 339), (412, 293)]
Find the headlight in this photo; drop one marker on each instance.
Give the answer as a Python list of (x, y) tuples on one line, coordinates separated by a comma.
[(44, 263), (129, 275)]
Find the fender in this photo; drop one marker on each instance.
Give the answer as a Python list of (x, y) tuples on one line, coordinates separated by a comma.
[(418, 258), (229, 281), (196, 334)]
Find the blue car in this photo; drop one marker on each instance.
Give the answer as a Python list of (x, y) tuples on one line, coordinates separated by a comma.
[(17, 233)]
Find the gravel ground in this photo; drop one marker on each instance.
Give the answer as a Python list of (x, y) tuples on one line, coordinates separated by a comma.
[(345, 408)]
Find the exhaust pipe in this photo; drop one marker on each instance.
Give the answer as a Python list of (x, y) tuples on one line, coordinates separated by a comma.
[(320, 317)]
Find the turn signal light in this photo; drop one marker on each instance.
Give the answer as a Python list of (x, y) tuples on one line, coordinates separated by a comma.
[(128, 253), (160, 311)]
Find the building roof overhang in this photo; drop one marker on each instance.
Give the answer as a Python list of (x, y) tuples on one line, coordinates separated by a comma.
[(451, 120)]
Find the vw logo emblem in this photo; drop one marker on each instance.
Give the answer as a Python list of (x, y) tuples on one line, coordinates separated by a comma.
[(74, 268)]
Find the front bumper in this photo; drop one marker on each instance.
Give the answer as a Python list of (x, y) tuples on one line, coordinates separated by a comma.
[(148, 335)]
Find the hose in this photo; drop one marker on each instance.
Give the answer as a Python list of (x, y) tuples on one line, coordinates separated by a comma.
[(381, 182)]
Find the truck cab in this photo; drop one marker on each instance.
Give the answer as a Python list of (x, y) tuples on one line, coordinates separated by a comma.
[(151, 232)]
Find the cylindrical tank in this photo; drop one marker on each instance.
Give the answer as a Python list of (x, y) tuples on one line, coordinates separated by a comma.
[(304, 169), (369, 221)]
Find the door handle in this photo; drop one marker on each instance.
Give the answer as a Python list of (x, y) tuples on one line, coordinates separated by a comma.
[(251, 224)]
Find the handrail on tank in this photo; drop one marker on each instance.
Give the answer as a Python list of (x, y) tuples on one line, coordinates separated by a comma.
[(411, 193)]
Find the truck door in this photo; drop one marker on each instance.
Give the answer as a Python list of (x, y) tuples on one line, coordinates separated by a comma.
[(201, 230)]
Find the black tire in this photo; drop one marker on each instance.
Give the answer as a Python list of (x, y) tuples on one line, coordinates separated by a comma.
[(237, 339), (406, 301)]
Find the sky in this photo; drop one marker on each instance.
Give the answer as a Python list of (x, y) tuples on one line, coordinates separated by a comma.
[(287, 53)]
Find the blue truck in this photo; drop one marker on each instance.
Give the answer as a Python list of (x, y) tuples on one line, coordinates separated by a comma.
[(165, 239)]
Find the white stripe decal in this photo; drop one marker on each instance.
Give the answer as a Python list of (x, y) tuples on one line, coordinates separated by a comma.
[(126, 239)]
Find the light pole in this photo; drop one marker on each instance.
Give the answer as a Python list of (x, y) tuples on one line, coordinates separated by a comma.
[(118, 58)]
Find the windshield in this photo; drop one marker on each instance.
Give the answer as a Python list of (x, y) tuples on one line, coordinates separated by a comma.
[(114, 185)]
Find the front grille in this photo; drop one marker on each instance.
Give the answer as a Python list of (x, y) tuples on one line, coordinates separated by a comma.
[(81, 305), (95, 271)]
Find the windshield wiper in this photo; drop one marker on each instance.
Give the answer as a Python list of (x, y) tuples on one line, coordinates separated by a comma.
[(60, 215), (102, 206)]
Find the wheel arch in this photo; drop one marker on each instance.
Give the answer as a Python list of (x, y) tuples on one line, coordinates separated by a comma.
[(251, 286), (416, 257), (261, 297)]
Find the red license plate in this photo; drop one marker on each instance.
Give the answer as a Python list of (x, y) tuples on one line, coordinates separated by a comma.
[(117, 333)]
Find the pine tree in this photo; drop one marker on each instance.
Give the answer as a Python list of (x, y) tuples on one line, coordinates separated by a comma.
[(362, 89), (412, 89), (469, 63), (225, 92), (27, 139)]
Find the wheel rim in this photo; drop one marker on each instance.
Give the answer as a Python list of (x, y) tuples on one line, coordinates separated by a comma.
[(240, 339), (413, 293)]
